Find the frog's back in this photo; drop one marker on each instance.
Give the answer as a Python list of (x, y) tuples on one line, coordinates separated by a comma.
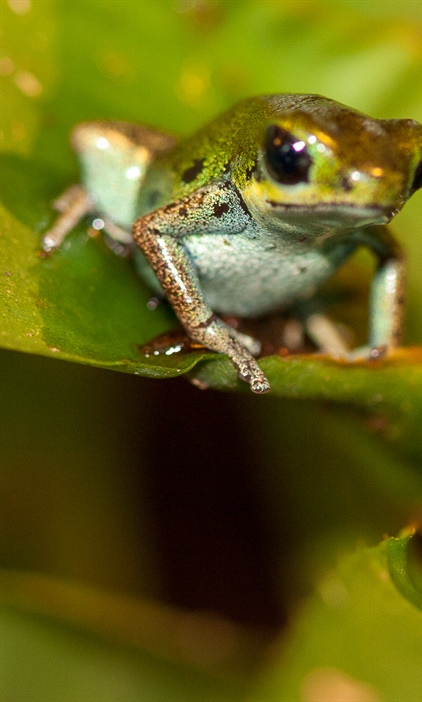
[(210, 153), (229, 144)]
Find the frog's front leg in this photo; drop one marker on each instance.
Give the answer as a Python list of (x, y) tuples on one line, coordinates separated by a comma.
[(387, 290), (213, 209), (72, 205)]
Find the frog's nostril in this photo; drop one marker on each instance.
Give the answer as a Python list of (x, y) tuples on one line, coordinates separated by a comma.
[(417, 181), (346, 184)]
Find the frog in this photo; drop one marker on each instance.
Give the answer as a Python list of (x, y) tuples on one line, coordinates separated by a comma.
[(252, 213)]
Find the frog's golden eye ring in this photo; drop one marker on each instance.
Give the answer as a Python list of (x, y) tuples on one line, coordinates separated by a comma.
[(286, 157), (417, 180)]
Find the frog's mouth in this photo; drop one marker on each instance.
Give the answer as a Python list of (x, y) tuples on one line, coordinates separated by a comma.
[(336, 213)]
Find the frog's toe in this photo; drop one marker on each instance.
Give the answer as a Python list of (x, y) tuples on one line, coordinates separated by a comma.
[(260, 385), (248, 342), (251, 373), (367, 353), (48, 243), (326, 336)]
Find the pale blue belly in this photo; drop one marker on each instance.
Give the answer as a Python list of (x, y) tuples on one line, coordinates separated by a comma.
[(243, 277)]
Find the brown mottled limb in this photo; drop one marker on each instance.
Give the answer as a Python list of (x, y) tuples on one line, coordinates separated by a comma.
[(177, 275)]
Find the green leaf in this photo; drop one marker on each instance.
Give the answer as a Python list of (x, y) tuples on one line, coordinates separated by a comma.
[(80, 644), (405, 564), (356, 638), (85, 305), (327, 481)]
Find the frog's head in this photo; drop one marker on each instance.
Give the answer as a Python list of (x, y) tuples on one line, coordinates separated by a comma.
[(321, 165)]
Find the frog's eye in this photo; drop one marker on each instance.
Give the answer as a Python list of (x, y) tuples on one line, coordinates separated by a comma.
[(417, 181), (286, 157)]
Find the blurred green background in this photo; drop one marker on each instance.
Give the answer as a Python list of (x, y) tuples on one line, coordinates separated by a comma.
[(159, 542)]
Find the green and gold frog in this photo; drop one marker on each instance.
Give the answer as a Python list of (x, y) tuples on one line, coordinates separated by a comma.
[(253, 212)]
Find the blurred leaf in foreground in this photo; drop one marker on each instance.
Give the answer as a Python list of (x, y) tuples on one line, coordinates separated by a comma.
[(81, 644), (357, 638)]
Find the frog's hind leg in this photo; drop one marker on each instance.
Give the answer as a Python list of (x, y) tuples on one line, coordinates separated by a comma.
[(114, 158), (73, 205)]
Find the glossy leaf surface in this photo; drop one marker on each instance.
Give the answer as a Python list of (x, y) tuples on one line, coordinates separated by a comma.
[(84, 304)]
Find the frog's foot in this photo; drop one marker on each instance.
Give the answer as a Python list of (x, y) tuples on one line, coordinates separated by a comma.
[(72, 205), (251, 344), (326, 335), (217, 336), (250, 372), (119, 246), (117, 234), (367, 353)]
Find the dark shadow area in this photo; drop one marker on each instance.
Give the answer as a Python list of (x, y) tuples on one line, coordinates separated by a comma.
[(105, 474)]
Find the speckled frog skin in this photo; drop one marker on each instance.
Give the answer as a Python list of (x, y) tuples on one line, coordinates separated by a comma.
[(253, 212)]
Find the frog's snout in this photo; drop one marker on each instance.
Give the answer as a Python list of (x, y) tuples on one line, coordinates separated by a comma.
[(417, 180), (391, 212)]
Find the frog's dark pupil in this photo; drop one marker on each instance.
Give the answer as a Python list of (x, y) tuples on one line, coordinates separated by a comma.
[(286, 157), (417, 181)]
